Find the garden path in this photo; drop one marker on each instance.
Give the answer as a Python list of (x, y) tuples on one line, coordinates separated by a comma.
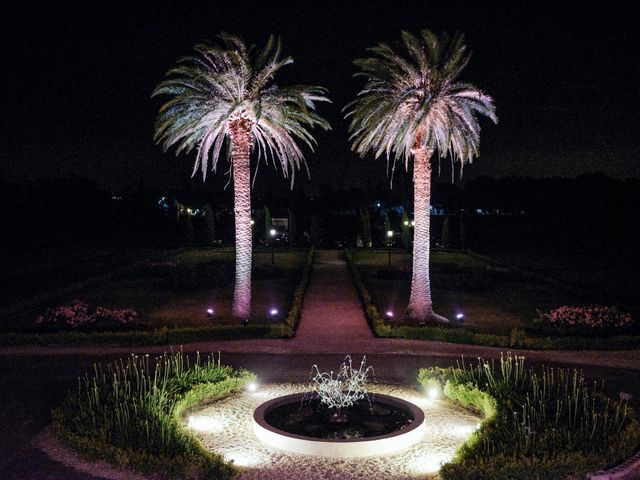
[(332, 315)]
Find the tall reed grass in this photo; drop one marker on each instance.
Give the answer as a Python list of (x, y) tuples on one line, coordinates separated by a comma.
[(547, 415), (129, 407)]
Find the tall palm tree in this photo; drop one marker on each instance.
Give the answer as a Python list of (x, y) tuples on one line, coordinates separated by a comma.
[(412, 106), (224, 97)]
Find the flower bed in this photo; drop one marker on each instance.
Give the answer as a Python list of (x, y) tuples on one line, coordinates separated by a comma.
[(129, 412), (550, 424), (591, 318), (78, 314)]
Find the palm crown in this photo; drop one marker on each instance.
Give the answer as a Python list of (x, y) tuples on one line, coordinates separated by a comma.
[(220, 85), (413, 100)]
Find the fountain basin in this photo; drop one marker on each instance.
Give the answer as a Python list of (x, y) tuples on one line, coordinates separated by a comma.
[(364, 446)]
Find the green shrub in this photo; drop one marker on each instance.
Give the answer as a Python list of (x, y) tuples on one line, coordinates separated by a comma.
[(129, 412), (537, 425)]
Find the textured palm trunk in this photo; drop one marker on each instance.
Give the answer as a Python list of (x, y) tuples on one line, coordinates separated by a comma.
[(420, 304), (240, 146)]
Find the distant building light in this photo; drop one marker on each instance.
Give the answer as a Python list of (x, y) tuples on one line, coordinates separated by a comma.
[(272, 232), (406, 222)]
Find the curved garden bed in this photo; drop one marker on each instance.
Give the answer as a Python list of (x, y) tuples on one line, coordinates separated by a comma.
[(552, 423), (129, 412)]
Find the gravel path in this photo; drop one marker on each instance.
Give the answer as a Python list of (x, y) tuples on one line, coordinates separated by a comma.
[(226, 427)]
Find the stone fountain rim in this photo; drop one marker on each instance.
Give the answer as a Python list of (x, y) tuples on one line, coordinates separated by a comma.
[(414, 410)]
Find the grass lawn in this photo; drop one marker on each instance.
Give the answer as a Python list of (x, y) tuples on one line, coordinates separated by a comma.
[(159, 302), (492, 300)]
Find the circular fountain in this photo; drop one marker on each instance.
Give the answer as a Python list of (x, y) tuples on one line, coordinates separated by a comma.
[(339, 418), (299, 423)]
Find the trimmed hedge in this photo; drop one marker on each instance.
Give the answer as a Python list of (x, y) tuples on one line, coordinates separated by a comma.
[(548, 426), (287, 329), (179, 335), (518, 338), (129, 413)]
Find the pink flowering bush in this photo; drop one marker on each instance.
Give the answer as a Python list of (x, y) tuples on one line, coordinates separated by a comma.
[(591, 317), (74, 315), (123, 316), (77, 315)]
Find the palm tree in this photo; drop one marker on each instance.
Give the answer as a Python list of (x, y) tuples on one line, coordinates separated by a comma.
[(224, 97), (412, 105)]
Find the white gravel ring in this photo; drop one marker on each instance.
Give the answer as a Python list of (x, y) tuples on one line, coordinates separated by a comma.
[(226, 427)]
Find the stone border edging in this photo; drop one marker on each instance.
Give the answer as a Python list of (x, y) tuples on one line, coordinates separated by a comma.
[(337, 448)]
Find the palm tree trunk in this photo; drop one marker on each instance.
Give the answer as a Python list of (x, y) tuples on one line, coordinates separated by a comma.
[(240, 145), (420, 304)]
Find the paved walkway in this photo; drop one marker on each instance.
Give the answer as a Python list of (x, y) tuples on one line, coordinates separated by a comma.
[(332, 317)]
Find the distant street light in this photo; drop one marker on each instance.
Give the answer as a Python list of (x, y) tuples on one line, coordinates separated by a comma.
[(272, 233), (389, 242)]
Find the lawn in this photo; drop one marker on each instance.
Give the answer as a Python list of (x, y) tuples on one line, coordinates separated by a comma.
[(175, 292), (493, 300)]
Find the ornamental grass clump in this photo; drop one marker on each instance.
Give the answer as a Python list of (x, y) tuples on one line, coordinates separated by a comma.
[(129, 411), (553, 421)]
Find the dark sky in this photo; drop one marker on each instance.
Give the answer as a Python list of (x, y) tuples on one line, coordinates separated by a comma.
[(76, 78)]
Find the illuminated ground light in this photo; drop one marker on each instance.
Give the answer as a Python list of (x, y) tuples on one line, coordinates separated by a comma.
[(210, 312), (252, 386), (460, 316), (273, 312), (389, 314), (433, 393), (237, 441)]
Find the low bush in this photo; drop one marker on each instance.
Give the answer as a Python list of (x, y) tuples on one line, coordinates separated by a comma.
[(79, 315), (129, 412), (584, 320), (548, 426), (287, 328)]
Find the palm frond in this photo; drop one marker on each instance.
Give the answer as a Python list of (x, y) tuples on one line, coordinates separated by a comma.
[(220, 83), (412, 99)]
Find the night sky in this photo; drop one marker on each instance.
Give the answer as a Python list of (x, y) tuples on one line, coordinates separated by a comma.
[(77, 76)]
